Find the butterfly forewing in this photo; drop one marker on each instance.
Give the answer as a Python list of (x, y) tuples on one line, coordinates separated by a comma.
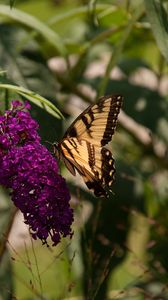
[(82, 147), (97, 122)]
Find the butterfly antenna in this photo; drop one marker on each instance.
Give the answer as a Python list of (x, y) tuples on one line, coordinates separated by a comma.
[(49, 143)]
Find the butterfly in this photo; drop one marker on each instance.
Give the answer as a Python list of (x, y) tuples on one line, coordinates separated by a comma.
[(82, 147)]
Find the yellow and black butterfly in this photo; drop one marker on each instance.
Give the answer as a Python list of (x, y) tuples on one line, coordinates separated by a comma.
[(82, 147)]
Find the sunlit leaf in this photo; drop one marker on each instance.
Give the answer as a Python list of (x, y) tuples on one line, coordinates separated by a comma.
[(77, 12), (33, 23), (35, 98), (158, 18)]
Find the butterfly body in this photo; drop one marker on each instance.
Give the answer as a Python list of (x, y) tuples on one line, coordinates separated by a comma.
[(82, 147)]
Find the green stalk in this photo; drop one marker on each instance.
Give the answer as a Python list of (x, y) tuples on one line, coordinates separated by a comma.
[(116, 54)]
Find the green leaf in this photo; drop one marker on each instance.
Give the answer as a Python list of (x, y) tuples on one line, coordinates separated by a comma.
[(33, 23), (79, 12), (6, 278), (34, 98), (2, 72), (113, 16), (24, 63), (158, 19), (118, 49), (12, 3)]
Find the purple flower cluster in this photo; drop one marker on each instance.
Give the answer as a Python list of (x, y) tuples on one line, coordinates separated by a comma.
[(30, 171)]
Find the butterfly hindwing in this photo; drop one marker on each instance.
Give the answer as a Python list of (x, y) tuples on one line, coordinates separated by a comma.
[(93, 163), (82, 147), (102, 176)]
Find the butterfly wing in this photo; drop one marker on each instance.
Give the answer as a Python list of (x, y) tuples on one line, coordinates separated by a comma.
[(93, 163), (82, 147), (97, 122)]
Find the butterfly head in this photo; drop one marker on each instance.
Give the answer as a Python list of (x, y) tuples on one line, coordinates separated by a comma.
[(56, 149)]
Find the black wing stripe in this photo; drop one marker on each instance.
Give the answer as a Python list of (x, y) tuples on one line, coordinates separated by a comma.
[(91, 155), (74, 132), (111, 120), (64, 145), (73, 143), (86, 121)]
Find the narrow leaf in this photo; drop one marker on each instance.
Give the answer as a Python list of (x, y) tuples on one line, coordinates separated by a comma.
[(35, 98), (116, 54), (158, 19), (33, 23), (79, 12), (12, 3)]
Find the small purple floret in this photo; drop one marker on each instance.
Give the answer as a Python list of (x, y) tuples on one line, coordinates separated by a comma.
[(30, 171)]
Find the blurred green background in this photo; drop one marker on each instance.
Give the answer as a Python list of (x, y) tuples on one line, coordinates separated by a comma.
[(71, 52)]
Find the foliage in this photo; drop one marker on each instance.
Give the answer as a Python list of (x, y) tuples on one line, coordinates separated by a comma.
[(61, 56)]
